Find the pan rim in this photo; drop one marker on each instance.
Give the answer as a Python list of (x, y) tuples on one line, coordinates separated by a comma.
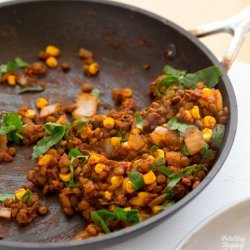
[(149, 223)]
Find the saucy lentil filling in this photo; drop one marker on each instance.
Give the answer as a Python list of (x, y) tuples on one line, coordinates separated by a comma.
[(116, 169)]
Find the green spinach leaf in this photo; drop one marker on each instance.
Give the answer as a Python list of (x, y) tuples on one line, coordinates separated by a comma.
[(3, 197), (218, 135), (55, 134), (31, 90), (136, 179), (139, 120), (12, 126)]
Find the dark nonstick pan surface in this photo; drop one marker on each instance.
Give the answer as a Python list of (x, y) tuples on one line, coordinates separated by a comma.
[(122, 38)]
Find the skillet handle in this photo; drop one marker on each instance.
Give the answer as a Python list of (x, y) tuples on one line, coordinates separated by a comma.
[(238, 26)]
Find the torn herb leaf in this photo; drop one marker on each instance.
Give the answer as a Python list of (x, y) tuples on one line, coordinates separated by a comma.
[(12, 126), (154, 148), (139, 120), (30, 199), (3, 197), (20, 63), (165, 84), (55, 134), (104, 216), (210, 76), (96, 92), (31, 90), (168, 70), (136, 179), (173, 124), (218, 135), (165, 170), (11, 66), (74, 152)]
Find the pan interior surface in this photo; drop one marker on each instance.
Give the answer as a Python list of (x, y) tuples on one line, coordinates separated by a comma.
[(122, 40)]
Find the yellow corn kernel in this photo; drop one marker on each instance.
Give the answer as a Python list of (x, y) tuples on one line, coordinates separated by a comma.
[(45, 160), (207, 134), (52, 62), (127, 208), (149, 178), (116, 180), (107, 195), (94, 158), (115, 141), (93, 68), (209, 122), (129, 187), (126, 93), (19, 193), (137, 201), (65, 177), (195, 111), (63, 142), (108, 122), (30, 113), (160, 154), (41, 103), (156, 209), (99, 167), (207, 92), (12, 80), (143, 194), (52, 51), (136, 131)]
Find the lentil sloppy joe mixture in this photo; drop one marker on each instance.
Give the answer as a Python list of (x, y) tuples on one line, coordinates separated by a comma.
[(116, 169)]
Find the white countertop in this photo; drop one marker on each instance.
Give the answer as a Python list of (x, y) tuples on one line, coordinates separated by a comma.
[(230, 184)]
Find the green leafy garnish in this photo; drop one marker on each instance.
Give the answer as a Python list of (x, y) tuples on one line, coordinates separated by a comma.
[(160, 161), (206, 152), (210, 76), (96, 92), (75, 153), (168, 70), (12, 126), (154, 148), (185, 151), (168, 204), (82, 124), (20, 63), (11, 66), (165, 170), (118, 134), (28, 193), (97, 218), (165, 84), (130, 216), (104, 216), (136, 179), (218, 134), (176, 177), (173, 124), (55, 134), (3, 197), (31, 90), (139, 120)]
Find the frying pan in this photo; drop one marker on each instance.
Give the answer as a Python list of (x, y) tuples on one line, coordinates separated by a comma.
[(123, 38)]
